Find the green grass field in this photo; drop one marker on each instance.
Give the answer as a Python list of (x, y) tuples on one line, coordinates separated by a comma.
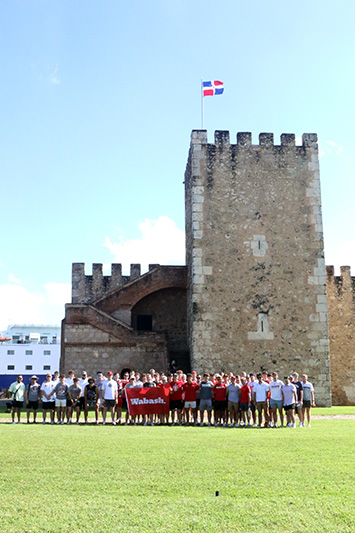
[(90, 478)]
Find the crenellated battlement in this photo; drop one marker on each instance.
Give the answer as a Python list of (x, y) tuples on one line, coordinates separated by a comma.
[(87, 288), (343, 283), (266, 140)]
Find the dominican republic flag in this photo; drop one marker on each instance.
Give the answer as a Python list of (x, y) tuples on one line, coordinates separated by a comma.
[(212, 88)]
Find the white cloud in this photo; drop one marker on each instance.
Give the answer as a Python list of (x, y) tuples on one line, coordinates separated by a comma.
[(49, 75), (13, 279), (22, 306), (54, 77), (161, 242), (329, 148)]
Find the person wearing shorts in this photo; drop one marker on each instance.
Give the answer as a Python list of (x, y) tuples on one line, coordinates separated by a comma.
[(198, 394), (276, 399), (206, 387), (61, 394), (233, 396), (289, 395), (163, 419), (48, 403), (17, 391), (220, 401), (176, 402), (308, 399), (189, 388), (261, 391), (252, 409), (82, 384), (245, 399), (299, 389), (91, 399), (69, 381), (109, 392), (74, 395), (32, 397)]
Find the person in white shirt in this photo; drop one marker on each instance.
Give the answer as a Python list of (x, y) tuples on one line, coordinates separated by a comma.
[(289, 393), (276, 399), (109, 394), (82, 384), (48, 402), (308, 399), (260, 391)]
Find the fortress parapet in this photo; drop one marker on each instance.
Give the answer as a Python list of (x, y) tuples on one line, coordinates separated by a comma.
[(343, 283), (87, 288), (266, 140)]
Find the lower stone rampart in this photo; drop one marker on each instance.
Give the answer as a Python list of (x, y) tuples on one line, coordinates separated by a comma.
[(341, 314)]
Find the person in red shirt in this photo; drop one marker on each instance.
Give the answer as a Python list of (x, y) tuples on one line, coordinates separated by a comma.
[(189, 388), (245, 399), (176, 402), (163, 384), (220, 401)]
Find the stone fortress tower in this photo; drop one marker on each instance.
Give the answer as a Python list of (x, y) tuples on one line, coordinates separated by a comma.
[(255, 257)]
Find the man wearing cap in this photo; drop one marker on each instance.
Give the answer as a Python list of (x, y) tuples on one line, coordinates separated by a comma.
[(32, 397), (17, 391), (109, 391)]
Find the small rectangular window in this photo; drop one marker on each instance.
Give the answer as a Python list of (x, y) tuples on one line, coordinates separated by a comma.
[(28, 367), (46, 352), (46, 367), (28, 352), (10, 352), (11, 367)]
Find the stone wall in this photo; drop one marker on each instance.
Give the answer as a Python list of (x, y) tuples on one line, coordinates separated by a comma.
[(256, 271), (91, 349), (168, 310), (341, 309)]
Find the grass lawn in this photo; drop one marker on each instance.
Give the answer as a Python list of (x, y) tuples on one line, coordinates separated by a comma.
[(89, 478), (319, 411)]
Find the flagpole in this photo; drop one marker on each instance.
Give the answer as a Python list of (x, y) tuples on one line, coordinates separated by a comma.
[(201, 103)]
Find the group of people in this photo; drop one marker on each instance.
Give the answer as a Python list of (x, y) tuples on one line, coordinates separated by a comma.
[(235, 400)]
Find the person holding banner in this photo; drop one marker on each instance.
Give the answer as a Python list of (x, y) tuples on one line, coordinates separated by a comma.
[(131, 385), (148, 384), (176, 401), (163, 384)]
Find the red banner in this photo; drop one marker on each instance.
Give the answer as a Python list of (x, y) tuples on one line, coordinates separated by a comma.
[(147, 401)]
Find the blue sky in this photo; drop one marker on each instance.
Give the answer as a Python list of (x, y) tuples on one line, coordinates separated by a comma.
[(97, 105)]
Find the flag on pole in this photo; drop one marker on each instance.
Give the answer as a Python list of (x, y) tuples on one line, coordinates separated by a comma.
[(212, 88)]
